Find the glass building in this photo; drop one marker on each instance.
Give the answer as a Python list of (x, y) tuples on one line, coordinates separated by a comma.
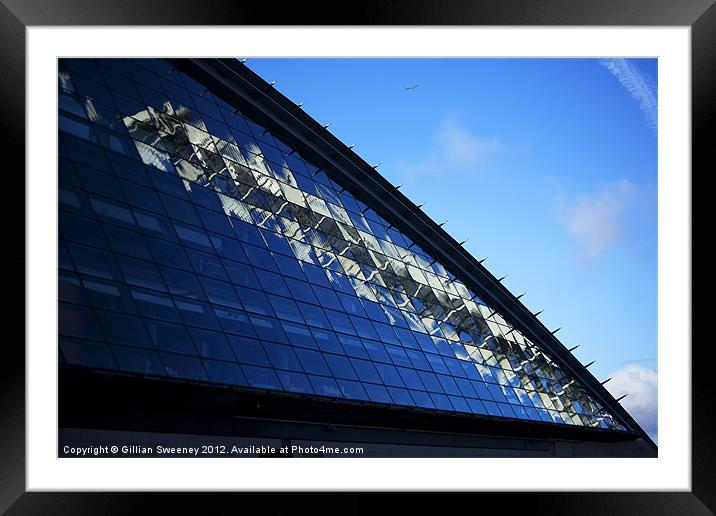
[(212, 234)]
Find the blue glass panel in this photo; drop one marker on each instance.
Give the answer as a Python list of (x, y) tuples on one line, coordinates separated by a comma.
[(352, 390), (476, 406), (430, 381), (295, 382), (170, 337), (312, 361), (389, 375), (182, 283), (437, 364), (410, 378), (493, 410), (299, 335), (497, 393), (340, 322), (104, 294), (364, 327), (340, 366), (124, 329), (301, 291), (314, 315), (325, 386), (397, 356), (71, 289), (282, 357), (327, 341), (286, 309), (448, 384), (400, 396), (248, 351), (154, 304), (441, 401), (482, 391), (255, 301), (261, 377), (211, 344), (376, 350), (234, 321), (366, 370), (377, 393), (221, 293), (135, 360), (167, 253), (241, 274), (183, 366), (206, 264), (196, 313), (87, 353), (81, 229), (422, 399), (268, 328), (353, 346), (78, 321)]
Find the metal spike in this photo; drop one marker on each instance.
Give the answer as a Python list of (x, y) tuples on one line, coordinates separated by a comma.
[(463, 242), (605, 381), (442, 223), (523, 293), (537, 313), (503, 277), (555, 331), (299, 104), (327, 126), (421, 205), (376, 166), (351, 145), (590, 363), (272, 83), (401, 185), (573, 348), (622, 397), (481, 261), (242, 60)]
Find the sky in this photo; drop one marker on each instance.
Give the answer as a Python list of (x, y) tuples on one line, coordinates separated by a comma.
[(547, 166)]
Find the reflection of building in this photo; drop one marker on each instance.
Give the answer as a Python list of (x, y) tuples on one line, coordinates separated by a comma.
[(229, 268)]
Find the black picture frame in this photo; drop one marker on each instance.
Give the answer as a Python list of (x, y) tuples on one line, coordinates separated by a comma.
[(16, 15)]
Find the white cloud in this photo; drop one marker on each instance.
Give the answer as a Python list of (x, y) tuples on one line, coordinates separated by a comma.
[(640, 87), (457, 149), (595, 221), (640, 383)]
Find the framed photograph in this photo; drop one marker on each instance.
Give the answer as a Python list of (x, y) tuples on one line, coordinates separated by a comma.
[(443, 246)]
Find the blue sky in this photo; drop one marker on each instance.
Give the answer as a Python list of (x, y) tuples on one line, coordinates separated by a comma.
[(548, 166)]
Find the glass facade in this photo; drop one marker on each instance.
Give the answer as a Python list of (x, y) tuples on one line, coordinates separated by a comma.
[(195, 244)]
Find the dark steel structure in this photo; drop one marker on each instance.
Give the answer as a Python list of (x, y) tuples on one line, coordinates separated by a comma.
[(313, 302)]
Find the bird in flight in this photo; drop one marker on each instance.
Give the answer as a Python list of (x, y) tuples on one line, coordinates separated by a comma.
[(411, 88)]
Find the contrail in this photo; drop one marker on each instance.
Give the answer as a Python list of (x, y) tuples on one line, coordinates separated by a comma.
[(640, 87)]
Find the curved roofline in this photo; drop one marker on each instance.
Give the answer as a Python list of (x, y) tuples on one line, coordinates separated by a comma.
[(237, 84)]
